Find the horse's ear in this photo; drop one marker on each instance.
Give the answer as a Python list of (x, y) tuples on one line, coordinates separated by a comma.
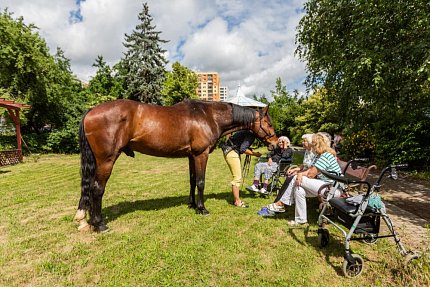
[(266, 109)]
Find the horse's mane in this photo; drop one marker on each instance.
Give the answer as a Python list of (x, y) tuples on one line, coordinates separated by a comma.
[(243, 115)]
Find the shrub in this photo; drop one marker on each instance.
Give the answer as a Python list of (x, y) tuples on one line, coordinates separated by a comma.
[(358, 145)]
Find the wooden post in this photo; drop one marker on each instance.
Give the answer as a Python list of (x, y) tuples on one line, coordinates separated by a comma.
[(14, 114), (13, 109)]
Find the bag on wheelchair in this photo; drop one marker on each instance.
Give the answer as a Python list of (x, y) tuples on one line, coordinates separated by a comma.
[(343, 208)]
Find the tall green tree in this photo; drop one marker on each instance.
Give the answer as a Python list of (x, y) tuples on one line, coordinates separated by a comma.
[(30, 74), (375, 55), (317, 114), (144, 61), (180, 84), (63, 105), (106, 85), (283, 109), (21, 53)]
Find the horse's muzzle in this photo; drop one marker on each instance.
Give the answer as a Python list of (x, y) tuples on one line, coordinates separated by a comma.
[(270, 147)]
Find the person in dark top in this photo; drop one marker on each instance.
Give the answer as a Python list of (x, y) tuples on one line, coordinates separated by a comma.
[(282, 151), (238, 144)]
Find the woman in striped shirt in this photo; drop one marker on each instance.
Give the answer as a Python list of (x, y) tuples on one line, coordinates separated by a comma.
[(308, 182)]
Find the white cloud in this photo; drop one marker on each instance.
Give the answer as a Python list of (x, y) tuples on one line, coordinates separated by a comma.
[(251, 42), (214, 49)]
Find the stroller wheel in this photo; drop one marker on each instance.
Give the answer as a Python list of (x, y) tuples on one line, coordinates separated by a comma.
[(410, 257), (351, 270), (323, 237)]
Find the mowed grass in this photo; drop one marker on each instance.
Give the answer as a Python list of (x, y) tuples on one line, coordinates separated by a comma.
[(156, 240)]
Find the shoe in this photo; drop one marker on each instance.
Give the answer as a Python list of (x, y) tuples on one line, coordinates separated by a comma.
[(276, 208), (294, 223), (263, 191), (242, 205), (265, 212), (253, 188)]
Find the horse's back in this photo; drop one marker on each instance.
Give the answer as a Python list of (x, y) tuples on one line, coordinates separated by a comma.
[(175, 131)]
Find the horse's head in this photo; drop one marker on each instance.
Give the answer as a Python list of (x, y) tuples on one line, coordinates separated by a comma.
[(263, 128)]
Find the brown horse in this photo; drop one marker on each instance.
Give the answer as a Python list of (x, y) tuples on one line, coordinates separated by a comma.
[(187, 129)]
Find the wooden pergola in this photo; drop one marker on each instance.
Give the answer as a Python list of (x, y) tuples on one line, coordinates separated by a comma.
[(13, 156)]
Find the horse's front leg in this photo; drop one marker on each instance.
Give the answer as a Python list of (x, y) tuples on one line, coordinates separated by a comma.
[(200, 167), (192, 197)]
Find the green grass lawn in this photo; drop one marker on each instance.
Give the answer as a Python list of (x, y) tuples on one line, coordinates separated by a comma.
[(155, 240)]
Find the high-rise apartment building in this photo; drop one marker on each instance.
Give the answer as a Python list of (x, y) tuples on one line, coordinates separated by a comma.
[(208, 86), (223, 93)]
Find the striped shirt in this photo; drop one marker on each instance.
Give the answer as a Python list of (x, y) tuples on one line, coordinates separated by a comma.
[(327, 162)]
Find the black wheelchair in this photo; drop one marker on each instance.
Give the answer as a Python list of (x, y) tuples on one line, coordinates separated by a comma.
[(278, 177)]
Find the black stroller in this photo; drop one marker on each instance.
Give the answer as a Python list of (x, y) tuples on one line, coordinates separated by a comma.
[(360, 218)]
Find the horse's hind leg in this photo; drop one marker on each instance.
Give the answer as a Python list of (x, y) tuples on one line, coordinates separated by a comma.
[(192, 197), (81, 213), (96, 219), (104, 171)]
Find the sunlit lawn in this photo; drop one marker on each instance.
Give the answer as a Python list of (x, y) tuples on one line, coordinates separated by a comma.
[(155, 240)]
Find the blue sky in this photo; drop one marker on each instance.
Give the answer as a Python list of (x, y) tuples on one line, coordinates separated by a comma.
[(247, 42), (75, 15)]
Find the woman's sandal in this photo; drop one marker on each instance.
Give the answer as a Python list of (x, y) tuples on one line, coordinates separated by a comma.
[(242, 204), (276, 208), (294, 223)]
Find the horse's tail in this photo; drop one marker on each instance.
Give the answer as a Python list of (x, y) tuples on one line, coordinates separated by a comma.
[(88, 168)]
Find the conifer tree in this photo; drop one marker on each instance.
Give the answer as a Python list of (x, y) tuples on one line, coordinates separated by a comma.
[(144, 61)]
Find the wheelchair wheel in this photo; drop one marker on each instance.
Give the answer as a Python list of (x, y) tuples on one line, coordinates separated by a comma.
[(351, 270), (323, 237), (410, 257), (370, 240)]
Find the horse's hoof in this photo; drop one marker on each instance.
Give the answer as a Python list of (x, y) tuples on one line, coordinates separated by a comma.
[(80, 214), (84, 226), (192, 205), (202, 212), (101, 228)]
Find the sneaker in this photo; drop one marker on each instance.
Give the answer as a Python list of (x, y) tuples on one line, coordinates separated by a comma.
[(253, 188), (265, 212), (276, 208), (263, 191)]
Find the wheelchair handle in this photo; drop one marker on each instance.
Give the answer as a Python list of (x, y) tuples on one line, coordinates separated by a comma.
[(353, 163), (390, 168), (343, 179), (361, 159), (400, 166)]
